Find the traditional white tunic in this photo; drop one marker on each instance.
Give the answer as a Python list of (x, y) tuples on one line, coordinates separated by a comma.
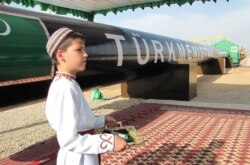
[(68, 113)]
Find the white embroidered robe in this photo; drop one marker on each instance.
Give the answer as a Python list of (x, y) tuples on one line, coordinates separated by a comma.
[(68, 113)]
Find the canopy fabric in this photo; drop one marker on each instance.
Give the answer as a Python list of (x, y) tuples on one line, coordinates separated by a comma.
[(89, 8)]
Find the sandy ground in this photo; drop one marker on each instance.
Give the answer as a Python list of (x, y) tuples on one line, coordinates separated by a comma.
[(233, 87), (25, 125)]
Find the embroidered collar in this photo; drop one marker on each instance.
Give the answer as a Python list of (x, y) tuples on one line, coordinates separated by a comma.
[(66, 75)]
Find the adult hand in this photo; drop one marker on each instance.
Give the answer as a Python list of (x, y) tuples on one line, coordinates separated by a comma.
[(120, 144)]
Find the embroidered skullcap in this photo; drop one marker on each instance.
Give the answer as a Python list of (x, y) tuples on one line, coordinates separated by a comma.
[(56, 39)]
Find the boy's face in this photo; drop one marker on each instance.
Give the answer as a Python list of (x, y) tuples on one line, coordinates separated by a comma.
[(75, 57)]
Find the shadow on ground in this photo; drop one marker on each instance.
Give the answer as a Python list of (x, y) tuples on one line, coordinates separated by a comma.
[(179, 154)]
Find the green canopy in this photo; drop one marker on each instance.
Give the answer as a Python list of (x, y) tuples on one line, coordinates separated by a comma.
[(89, 8)]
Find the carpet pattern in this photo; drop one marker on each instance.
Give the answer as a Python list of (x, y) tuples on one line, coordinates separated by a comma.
[(185, 135), (173, 135)]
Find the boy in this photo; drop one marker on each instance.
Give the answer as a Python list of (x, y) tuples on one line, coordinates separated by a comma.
[(66, 109)]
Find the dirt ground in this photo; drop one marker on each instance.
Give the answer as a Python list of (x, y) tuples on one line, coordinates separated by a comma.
[(24, 125), (232, 87)]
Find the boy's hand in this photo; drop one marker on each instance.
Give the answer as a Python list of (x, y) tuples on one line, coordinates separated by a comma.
[(120, 144), (110, 120)]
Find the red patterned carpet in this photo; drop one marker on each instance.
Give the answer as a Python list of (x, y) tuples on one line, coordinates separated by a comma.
[(185, 135), (174, 135)]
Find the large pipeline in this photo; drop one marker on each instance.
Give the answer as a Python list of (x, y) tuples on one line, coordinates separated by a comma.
[(115, 54), (117, 50)]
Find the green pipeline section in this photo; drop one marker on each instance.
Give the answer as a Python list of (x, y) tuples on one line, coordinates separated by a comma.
[(22, 44)]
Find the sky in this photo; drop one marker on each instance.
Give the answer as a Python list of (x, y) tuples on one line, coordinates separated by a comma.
[(189, 22)]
